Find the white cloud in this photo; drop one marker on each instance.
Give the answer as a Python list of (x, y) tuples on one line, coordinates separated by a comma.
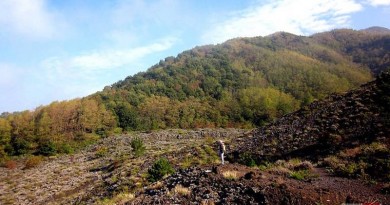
[(84, 74), (28, 17), (109, 59), (295, 16), (379, 2)]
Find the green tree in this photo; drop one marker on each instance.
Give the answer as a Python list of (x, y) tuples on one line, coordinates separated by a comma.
[(127, 117), (159, 169), (5, 131), (46, 147), (138, 146)]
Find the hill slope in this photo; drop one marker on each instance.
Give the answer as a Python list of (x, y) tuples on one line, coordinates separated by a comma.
[(354, 126), (247, 81), (244, 82), (345, 135), (348, 134), (368, 47)]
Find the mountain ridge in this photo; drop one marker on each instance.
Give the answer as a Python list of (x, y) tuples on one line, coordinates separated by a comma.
[(244, 83), (318, 137)]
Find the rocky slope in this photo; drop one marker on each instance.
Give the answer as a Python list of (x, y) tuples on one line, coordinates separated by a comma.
[(207, 185), (325, 127), (354, 124), (353, 127)]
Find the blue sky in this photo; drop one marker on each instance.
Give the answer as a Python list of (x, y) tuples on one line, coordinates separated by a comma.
[(58, 50)]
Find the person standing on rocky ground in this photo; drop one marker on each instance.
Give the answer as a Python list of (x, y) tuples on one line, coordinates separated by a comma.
[(221, 150)]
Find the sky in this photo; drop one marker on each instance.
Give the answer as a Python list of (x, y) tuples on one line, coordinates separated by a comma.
[(53, 50)]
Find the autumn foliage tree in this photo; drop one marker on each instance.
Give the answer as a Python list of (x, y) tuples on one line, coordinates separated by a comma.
[(47, 128), (244, 82)]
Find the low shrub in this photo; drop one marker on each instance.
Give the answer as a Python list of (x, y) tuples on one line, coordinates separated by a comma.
[(33, 161), (46, 148), (209, 140), (299, 165), (265, 166), (279, 170), (211, 154), (65, 148), (187, 161), (159, 169), (101, 152), (117, 130), (299, 175), (138, 146), (10, 164), (121, 198), (303, 175), (332, 162), (247, 160), (370, 162), (102, 132)]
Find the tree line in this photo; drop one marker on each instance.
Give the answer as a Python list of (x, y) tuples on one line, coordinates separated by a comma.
[(245, 82)]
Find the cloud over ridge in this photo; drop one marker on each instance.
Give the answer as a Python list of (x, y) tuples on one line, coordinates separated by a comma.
[(295, 16)]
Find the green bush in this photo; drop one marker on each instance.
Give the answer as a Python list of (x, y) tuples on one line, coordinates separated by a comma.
[(159, 169), (101, 132), (3, 154), (266, 165), (46, 148), (247, 159), (101, 152), (118, 130), (303, 175), (19, 146), (138, 146), (65, 148)]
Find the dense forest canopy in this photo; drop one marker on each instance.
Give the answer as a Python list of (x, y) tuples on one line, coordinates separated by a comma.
[(244, 82)]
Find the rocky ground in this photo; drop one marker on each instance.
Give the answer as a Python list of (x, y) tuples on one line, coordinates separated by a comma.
[(208, 185), (93, 177), (344, 135), (106, 167)]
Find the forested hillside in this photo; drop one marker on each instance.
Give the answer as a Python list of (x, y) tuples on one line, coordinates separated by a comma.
[(244, 82)]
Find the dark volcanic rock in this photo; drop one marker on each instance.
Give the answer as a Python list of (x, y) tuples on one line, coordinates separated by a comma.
[(324, 127), (253, 186), (205, 186)]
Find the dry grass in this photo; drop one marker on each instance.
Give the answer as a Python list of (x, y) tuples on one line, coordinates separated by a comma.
[(10, 164), (32, 161), (231, 175), (350, 152), (303, 165), (123, 198), (280, 170), (333, 162), (183, 191), (188, 161), (156, 185), (294, 164), (119, 199), (207, 202), (209, 140)]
